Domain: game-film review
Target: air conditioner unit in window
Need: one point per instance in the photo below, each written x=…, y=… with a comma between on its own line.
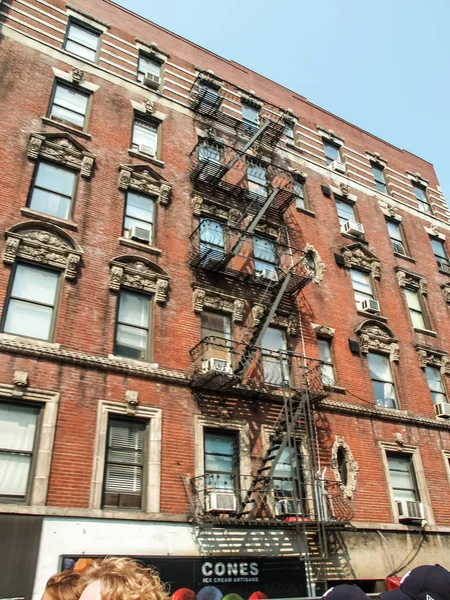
x=267, y=275
x=216, y=365
x=149, y=150
x=337, y=166
x=353, y=228
x=409, y=510
x=220, y=502
x=152, y=81
x=370, y=305
x=288, y=507
x=139, y=233
x=442, y=409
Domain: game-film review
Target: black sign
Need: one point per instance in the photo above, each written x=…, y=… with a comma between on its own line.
x=223, y=578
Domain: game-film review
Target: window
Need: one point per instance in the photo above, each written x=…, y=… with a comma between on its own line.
x=421, y=194
x=139, y=215
x=147, y=66
x=440, y=252
x=30, y=307
x=345, y=211
x=332, y=152
x=209, y=152
x=436, y=385
x=299, y=193
x=216, y=327
x=256, y=176
x=362, y=287
x=326, y=356
x=283, y=480
x=266, y=257
x=382, y=380
x=221, y=456
x=403, y=480
x=380, y=182
x=145, y=137
x=289, y=132
x=208, y=95
x=53, y=190
x=274, y=356
x=82, y=41
x=18, y=426
x=132, y=331
x=415, y=308
x=69, y=105
x=250, y=117
x=395, y=233
x=124, y=464
x=212, y=240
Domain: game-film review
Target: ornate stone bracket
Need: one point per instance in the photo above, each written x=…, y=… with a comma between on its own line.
x=45, y=244
x=140, y=274
x=131, y=400
x=323, y=331
x=77, y=75
x=340, y=447
x=314, y=265
x=288, y=322
x=430, y=357
x=376, y=336
x=61, y=148
x=145, y=180
x=202, y=299
x=407, y=279
x=357, y=255
x=445, y=287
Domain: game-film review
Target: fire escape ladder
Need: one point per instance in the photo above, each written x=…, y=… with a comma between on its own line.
x=270, y=309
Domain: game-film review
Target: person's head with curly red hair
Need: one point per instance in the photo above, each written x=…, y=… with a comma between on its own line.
x=63, y=586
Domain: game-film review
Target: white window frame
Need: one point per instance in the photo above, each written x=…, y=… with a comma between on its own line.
x=392, y=447
x=152, y=457
x=45, y=435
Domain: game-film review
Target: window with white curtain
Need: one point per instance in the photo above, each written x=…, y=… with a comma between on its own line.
x=362, y=286
x=30, y=306
x=123, y=480
x=265, y=252
x=436, y=385
x=326, y=356
x=145, y=137
x=133, y=323
x=415, y=309
x=82, y=40
x=18, y=426
x=274, y=356
x=382, y=380
x=69, y=105
x=257, y=179
x=403, y=479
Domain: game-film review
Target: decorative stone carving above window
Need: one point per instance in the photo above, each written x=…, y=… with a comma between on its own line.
x=375, y=157
x=288, y=322
x=357, y=255
x=45, y=244
x=431, y=357
x=318, y=270
x=251, y=100
x=417, y=178
x=390, y=211
x=323, y=331
x=433, y=231
x=144, y=179
x=445, y=287
x=211, y=80
x=61, y=148
x=202, y=299
x=379, y=338
x=139, y=274
x=414, y=281
x=344, y=466
x=329, y=134
x=152, y=49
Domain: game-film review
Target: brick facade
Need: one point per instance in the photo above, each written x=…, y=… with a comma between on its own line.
x=78, y=363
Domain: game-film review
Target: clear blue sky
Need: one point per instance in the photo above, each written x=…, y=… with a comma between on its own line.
x=382, y=65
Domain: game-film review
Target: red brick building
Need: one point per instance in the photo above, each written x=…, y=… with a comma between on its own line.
x=224, y=329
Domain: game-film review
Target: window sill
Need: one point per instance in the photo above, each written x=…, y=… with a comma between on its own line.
x=425, y=331
x=139, y=246
x=133, y=361
x=292, y=145
x=335, y=388
x=355, y=238
x=67, y=128
x=444, y=272
x=11, y=337
x=147, y=157
x=35, y=214
x=364, y=313
x=404, y=257
x=306, y=211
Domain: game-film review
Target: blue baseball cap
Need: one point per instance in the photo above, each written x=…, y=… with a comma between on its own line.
x=345, y=592
x=428, y=582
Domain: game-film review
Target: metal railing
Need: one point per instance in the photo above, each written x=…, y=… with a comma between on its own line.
x=214, y=359
x=247, y=180
x=215, y=98
x=220, y=497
